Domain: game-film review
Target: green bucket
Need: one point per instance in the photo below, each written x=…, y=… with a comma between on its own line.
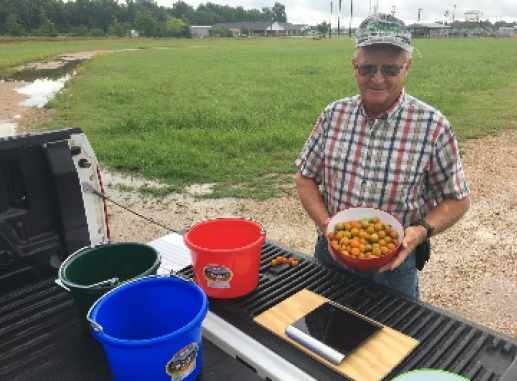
x=92, y=271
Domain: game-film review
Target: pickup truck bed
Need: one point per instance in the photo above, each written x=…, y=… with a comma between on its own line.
x=447, y=341
x=41, y=339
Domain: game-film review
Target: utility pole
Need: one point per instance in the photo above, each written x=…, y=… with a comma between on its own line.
x=393, y=10
x=339, y=19
x=330, y=24
x=351, y=16
x=453, y=12
x=419, y=9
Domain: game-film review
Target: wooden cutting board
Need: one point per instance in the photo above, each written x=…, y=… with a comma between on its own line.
x=372, y=361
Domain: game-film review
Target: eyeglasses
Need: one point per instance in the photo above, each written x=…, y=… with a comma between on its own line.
x=386, y=70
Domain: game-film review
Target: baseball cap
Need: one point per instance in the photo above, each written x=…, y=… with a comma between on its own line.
x=383, y=28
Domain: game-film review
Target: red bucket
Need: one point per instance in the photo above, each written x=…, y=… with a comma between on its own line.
x=226, y=255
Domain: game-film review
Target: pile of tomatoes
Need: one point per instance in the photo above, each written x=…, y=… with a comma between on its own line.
x=364, y=239
x=280, y=260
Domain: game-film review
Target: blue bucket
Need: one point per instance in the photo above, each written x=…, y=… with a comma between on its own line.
x=151, y=329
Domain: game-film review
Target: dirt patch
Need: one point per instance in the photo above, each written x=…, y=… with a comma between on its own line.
x=33, y=116
x=63, y=59
x=473, y=270
x=10, y=100
x=15, y=117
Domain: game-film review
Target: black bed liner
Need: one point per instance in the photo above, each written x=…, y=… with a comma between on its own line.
x=447, y=342
x=42, y=214
x=41, y=337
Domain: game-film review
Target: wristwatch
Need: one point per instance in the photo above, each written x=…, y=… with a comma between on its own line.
x=427, y=227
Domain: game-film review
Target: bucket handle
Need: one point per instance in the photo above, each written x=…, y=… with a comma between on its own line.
x=262, y=228
x=111, y=282
x=96, y=326
x=176, y=275
x=87, y=247
x=93, y=246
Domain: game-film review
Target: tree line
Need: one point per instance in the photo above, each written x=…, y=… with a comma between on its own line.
x=109, y=17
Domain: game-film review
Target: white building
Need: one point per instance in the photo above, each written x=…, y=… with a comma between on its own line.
x=473, y=15
x=428, y=30
x=200, y=30
x=263, y=28
x=507, y=31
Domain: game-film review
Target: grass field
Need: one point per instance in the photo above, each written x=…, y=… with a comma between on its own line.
x=237, y=112
x=16, y=51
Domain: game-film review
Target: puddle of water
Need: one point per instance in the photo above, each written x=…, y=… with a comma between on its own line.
x=53, y=71
x=42, y=90
x=44, y=80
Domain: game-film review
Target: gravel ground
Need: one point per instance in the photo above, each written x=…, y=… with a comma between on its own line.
x=473, y=270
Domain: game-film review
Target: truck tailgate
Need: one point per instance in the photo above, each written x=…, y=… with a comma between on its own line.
x=447, y=341
x=41, y=339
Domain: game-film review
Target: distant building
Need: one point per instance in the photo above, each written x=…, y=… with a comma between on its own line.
x=507, y=31
x=200, y=30
x=294, y=29
x=343, y=30
x=311, y=32
x=263, y=28
x=472, y=15
x=428, y=30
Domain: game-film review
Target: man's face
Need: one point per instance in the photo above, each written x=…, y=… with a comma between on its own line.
x=380, y=91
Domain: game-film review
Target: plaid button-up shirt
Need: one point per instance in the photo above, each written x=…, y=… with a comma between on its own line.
x=404, y=162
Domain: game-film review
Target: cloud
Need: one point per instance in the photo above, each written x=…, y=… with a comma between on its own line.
x=316, y=11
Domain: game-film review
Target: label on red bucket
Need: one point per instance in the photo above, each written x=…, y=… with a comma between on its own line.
x=183, y=363
x=217, y=276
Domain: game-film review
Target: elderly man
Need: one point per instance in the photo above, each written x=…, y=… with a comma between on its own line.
x=386, y=149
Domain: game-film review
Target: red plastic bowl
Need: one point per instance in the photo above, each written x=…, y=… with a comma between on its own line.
x=358, y=213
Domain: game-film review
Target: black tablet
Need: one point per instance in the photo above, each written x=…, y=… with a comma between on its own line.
x=332, y=332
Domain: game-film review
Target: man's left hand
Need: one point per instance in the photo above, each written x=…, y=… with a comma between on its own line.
x=412, y=238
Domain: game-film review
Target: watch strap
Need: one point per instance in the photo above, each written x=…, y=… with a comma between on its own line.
x=424, y=224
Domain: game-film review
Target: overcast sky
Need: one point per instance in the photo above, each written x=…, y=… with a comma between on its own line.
x=316, y=11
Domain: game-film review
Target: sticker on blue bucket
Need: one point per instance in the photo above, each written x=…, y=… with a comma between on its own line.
x=183, y=363
x=151, y=329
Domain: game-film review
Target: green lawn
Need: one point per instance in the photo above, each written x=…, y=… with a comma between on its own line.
x=16, y=51
x=237, y=112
